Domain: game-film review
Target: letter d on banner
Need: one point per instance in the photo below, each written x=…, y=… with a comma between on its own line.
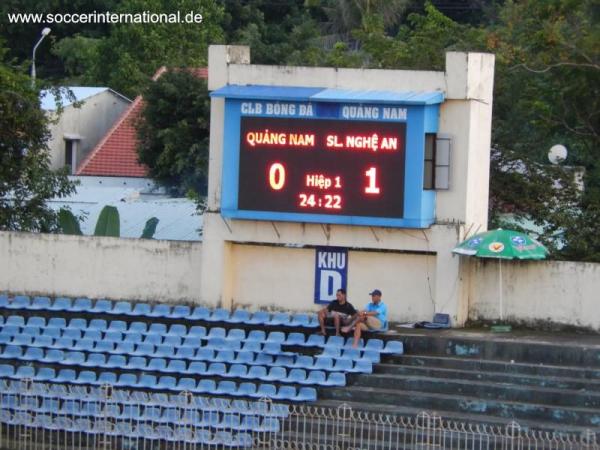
x=331, y=269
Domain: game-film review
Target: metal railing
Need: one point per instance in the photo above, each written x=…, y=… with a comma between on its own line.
x=68, y=417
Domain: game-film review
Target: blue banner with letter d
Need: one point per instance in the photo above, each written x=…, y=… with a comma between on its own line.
x=331, y=272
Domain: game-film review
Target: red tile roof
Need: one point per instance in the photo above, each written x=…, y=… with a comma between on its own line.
x=115, y=155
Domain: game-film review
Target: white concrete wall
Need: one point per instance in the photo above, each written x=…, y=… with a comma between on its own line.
x=401, y=277
x=547, y=291
x=91, y=121
x=100, y=267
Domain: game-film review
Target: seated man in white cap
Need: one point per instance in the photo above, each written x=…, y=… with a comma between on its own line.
x=372, y=318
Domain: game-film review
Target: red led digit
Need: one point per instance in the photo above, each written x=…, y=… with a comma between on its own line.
x=372, y=176
x=277, y=176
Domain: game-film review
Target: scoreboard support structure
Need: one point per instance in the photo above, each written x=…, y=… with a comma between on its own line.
x=305, y=158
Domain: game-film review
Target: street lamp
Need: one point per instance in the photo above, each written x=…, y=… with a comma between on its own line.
x=45, y=32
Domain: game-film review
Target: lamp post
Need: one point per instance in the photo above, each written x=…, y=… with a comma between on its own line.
x=45, y=32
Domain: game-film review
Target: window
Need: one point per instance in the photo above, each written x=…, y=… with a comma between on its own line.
x=70, y=154
x=437, y=162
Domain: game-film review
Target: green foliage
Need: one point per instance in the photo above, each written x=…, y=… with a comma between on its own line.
x=131, y=53
x=174, y=132
x=68, y=222
x=150, y=228
x=108, y=223
x=26, y=180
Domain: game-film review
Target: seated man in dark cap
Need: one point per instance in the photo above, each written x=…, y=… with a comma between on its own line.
x=372, y=318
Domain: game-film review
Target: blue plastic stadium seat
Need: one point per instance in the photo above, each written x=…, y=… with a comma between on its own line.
x=216, y=332
x=297, y=376
x=199, y=313
x=24, y=372
x=276, y=373
x=12, y=352
x=362, y=366
x=164, y=351
x=239, y=316
x=316, y=377
x=276, y=337
x=53, y=356
x=225, y=387
x=272, y=348
x=237, y=371
x=73, y=358
x=196, y=331
x=32, y=354
x=280, y=318
x=284, y=360
x=56, y=322
x=269, y=424
x=117, y=325
x=243, y=357
x=45, y=374
x=185, y=352
x=255, y=373
x=352, y=354
x=158, y=329
x=224, y=356
x=19, y=302
x=350, y=343
x=300, y=320
x=39, y=303
x=95, y=360
x=374, y=344
x=6, y=370
x=166, y=382
x=324, y=363
x=72, y=333
x=236, y=334
x=343, y=365
x=330, y=352
x=175, y=366
x=62, y=343
x=31, y=331
x=147, y=381
x=196, y=368
x=304, y=362
x=86, y=377
x=263, y=359
x=154, y=339
x=393, y=347
x=143, y=349
x=65, y=376
x=97, y=325
x=185, y=384
x=177, y=329
x=160, y=310
x=286, y=393
x=206, y=386
x=39, y=341
x=3, y=300
x=256, y=336
x=85, y=344
x=180, y=312
x=173, y=341
x=315, y=340
x=12, y=330
x=22, y=339
x=101, y=306
x=18, y=321
x=114, y=336
x=335, y=379
x=204, y=354
x=81, y=304
x=219, y=315
x=259, y=318
x=61, y=304
x=137, y=327
x=335, y=341
x=140, y=309
x=124, y=348
x=307, y=394
x=371, y=355
x=121, y=307
x=266, y=390
x=77, y=323
x=295, y=339
x=115, y=361
x=157, y=364
x=127, y=380
x=216, y=368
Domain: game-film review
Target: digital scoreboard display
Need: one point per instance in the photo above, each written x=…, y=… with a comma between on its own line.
x=322, y=166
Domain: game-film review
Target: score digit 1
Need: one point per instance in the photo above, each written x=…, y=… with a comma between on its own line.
x=372, y=176
x=277, y=176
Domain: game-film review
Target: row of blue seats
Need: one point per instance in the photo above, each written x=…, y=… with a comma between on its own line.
x=177, y=334
x=160, y=310
x=186, y=360
x=215, y=369
x=127, y=430
x=125, y=397
x=149, y=413
x=170, y=383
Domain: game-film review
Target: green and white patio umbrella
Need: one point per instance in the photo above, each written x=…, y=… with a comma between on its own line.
x=501, y=244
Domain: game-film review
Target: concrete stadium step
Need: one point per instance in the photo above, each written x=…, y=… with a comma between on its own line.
x=557, y=415
x=482, y=390
x=487, y=365
x=577, y=384
x=452, y=417
x=520, y=346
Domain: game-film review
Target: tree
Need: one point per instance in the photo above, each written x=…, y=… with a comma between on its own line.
x=174, y=132
x=26, y=180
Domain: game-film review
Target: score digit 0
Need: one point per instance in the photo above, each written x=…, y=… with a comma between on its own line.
x=277, y=176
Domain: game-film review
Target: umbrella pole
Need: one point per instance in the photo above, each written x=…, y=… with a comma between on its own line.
x=500, y=286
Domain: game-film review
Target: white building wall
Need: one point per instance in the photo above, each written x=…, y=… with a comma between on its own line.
x=100, y=267
x=537, y=291
x=91, y=121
